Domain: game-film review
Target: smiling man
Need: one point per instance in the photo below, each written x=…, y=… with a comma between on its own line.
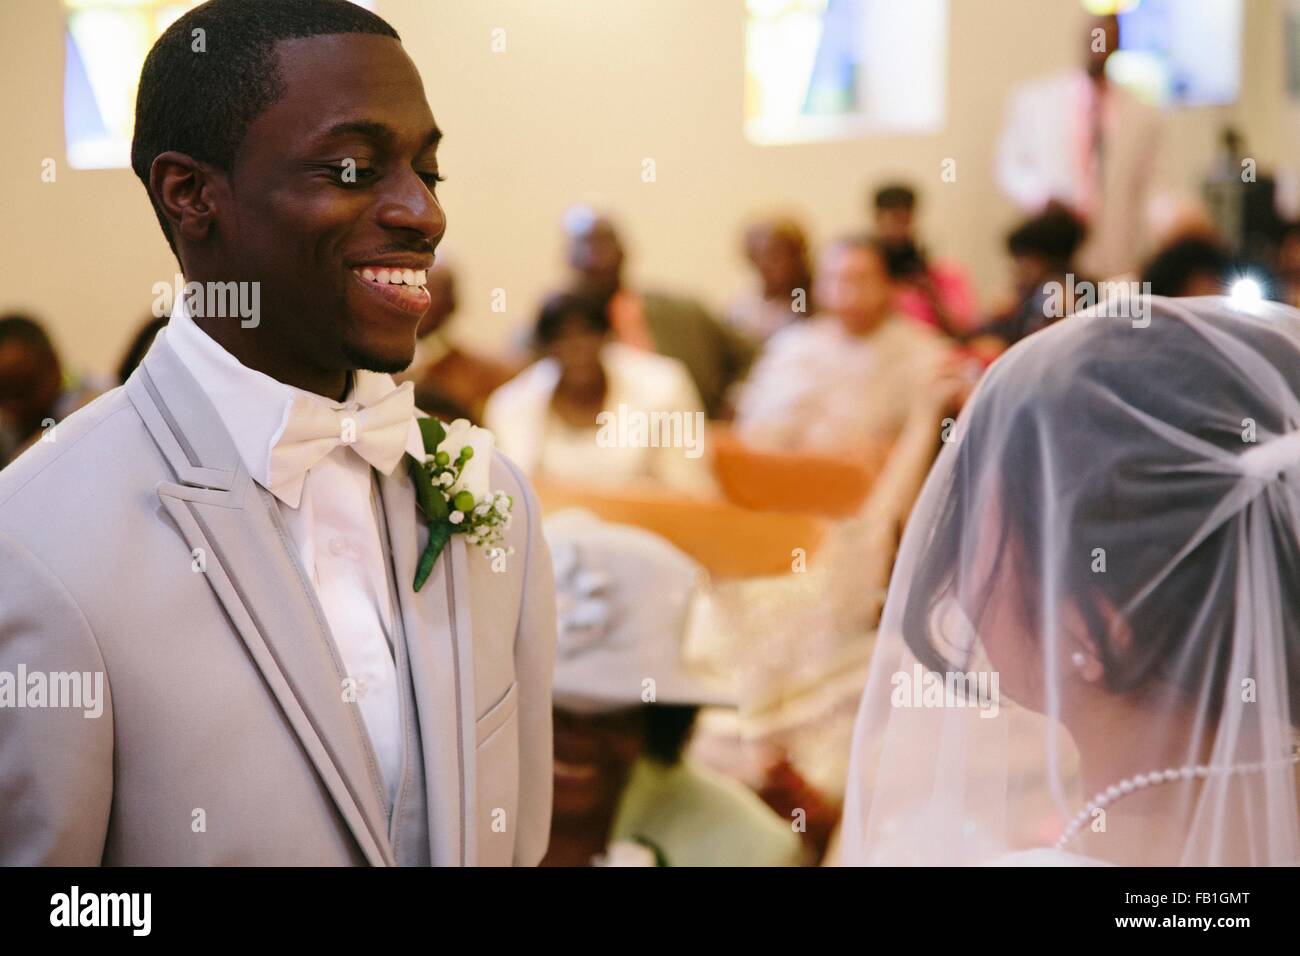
x=232, y=538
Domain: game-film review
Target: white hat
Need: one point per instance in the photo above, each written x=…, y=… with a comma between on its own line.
x=627, y=601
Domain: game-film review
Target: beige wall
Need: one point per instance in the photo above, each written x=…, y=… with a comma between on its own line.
x=585, y=91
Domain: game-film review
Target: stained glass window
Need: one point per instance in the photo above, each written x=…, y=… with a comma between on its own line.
x=832, y=69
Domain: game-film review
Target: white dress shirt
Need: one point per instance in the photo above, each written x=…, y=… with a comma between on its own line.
x=330, y=515
x=818, y=388
x=521, y=420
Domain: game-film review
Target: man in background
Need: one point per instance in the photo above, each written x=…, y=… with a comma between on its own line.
x=35, y=392
x=934, y=292
x=845, y=381
x=1078, y=139
x=678, y=327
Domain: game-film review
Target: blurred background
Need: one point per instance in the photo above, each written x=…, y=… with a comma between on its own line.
x=581, y=93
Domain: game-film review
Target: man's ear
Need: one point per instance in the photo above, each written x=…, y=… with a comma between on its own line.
x=188, y=192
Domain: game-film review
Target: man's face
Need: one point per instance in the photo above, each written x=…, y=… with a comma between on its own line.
x=853, y=286
x=1028, y=272
x=596, y=255
x=304, y=227
x=894, y=224
x=30, y=383
x=779, y=261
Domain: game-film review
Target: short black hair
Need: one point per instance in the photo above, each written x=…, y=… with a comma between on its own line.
x=1055, y=234
x=17, y=327
x=1176, y=265
x=895, y=196
x=202, y=103
x=565, y=307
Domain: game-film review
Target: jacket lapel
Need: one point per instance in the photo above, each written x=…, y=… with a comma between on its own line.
x=439, y=645
x=253, y=568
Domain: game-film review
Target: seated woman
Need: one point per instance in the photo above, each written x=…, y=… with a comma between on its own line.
x=627, y=692
x=595, y=412
x=1090, y=650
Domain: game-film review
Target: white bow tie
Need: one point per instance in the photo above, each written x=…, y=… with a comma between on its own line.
x=378, y=432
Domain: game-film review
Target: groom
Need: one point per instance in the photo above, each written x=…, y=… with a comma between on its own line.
x=228, y=544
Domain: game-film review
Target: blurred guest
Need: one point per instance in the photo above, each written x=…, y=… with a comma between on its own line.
x=450, y=383
x=626, y=699
x=777, y=248
x=845, y=381
x=563, y=418
x=677, y=327
x=934, y=292
x=1042, y=258
x=1288, y=265
x=1078, y=138
x=140, y=342
x=1193, y=265
x=35, y=390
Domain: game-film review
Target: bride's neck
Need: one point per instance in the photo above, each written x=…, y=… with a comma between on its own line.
x=1120, y=739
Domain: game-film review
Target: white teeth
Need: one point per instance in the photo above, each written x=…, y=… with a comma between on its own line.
x=416, y=278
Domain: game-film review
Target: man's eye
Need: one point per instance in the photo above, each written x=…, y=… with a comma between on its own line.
x=350, y=174
x=432, y=179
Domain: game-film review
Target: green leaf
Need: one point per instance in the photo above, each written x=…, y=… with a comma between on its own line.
x=432, y=432
x=431, y=501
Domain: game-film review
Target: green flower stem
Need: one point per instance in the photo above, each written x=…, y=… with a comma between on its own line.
x=439, y=534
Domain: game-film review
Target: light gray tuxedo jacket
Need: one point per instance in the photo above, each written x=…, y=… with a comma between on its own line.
x=135, y=544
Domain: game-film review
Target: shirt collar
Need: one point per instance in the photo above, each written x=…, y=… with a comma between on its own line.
x=254, y=407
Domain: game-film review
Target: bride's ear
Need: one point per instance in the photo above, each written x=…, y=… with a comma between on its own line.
x=1085, y=662
x=1084, y=659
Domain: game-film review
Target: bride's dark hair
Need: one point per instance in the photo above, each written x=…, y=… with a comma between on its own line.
x=1054, y=447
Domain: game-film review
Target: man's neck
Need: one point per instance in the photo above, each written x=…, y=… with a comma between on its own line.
x=260, y=355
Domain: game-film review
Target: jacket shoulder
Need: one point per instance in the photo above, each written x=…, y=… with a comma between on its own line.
x=80, y=450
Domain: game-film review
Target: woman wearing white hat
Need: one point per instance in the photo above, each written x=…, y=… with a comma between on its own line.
x=625, y=703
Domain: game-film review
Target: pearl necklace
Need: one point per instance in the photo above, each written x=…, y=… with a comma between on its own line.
x=1144, y=780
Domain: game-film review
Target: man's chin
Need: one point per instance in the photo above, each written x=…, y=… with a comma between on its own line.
x=372, y=359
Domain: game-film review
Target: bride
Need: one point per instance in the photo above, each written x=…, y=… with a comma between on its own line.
x=1110, y=544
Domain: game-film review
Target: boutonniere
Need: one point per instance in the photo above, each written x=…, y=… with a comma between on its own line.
x=451, y=489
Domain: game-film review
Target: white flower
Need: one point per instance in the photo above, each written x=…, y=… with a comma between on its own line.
x=475, y=476
x=481, y=509
x=446, y=479
x=456, y=517
x=501, y=505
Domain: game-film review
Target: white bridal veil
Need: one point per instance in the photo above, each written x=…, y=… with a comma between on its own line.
x=1090, y=649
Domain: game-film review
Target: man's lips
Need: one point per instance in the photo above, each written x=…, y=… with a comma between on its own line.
x=401, y=289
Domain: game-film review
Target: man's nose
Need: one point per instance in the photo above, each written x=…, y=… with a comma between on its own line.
x=410, y=205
